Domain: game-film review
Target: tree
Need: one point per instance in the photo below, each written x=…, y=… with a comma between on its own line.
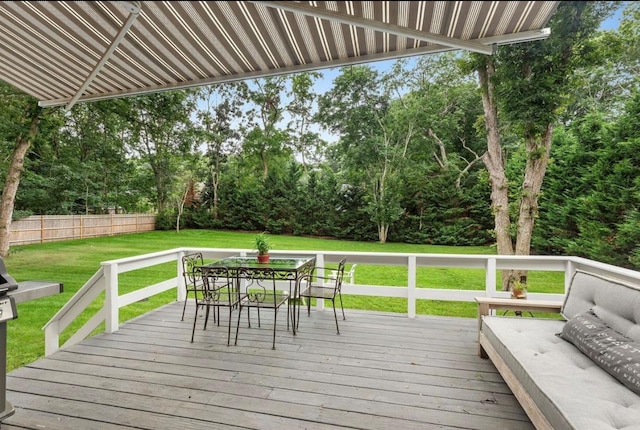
x=445, y=155
x=265, y=139
x=375, y=133
x=630, y=32
x=523, y=88
x=305, y=142
x=160, y=130
x=91, y=145
x=21, y=125
x=220, y=129
x=592, y=198
x=184, y=191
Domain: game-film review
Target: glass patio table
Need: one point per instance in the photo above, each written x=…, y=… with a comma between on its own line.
x=289, y=269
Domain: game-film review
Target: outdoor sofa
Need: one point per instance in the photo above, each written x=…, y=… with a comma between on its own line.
x=582, y=372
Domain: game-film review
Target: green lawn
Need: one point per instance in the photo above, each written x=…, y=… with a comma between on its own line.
x=74, y=262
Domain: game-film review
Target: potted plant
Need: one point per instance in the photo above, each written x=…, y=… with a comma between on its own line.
x=263, y=246
x=518, y=290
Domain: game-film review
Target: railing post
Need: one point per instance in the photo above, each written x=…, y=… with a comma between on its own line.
x=569, y=268
x=111, y=321
x=320, y=263
x=411, y=287
x=51, y=338
x=490, y=277
x=182, y=291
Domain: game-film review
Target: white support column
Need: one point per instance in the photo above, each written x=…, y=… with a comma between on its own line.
x=111, y=307
x=490, y=277
x=411, y=287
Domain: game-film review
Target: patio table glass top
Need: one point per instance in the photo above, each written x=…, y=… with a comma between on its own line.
x=281, y=265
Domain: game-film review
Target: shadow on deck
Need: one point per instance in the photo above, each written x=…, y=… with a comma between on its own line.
x=384, y=371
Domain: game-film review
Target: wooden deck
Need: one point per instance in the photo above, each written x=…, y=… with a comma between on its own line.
x=384, y=371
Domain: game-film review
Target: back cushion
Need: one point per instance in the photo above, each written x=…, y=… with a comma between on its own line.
x=615, y=353
x=615, y=302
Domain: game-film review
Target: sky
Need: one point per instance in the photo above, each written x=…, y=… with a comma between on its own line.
x=613, y=22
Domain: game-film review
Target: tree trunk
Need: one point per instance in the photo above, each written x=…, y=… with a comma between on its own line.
x=383, y=231
x=181, y=207
x=214, y=186
x=537, y=160
x=13, y=179
x=265, y=165
x=495, y=166
x=537, y=150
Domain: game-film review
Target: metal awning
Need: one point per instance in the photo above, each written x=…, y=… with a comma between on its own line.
x=62, y=52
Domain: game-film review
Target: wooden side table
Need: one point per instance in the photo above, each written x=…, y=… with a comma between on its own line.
x=487, y=304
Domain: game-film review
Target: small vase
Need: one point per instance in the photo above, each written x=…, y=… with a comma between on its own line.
x=263, y=258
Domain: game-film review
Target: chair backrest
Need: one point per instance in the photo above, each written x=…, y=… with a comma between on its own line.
x=333, y=275
x=260, y=286
x=190, y=263
x=219, y=285
x=339, y=274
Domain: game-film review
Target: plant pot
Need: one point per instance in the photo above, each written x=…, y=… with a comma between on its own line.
x=518, y=294
x=263, y=258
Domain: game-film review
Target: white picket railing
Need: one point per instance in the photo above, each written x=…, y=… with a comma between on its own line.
x=106, y=279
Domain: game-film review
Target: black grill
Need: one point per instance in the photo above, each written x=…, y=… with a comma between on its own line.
x=7, y=283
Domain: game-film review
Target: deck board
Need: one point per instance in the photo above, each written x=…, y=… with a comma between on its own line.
x=383, y=371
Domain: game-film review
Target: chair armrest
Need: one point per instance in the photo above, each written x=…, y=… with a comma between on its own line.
x=325, y=268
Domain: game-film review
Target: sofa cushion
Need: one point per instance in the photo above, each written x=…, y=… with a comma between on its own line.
x=569, y=389
x=615, y=302
x=615, y=353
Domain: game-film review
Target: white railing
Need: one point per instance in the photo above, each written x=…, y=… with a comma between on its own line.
x=106, y=280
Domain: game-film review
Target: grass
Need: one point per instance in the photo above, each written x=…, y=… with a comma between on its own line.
x=74, y=262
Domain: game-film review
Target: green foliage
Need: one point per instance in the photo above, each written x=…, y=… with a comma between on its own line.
x=166, y=220
x=593, y=192
x=17, y=215
x=536, y=81
x=262, y=243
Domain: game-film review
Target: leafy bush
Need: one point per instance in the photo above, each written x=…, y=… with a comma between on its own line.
x=166, y=220
x=17, y=215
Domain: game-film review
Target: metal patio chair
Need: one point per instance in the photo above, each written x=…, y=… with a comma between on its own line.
x=192, y=276
x=220, y=290
x=325, y=287
x=261, y=292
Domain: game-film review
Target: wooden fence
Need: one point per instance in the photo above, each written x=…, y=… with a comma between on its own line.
x=51, y=228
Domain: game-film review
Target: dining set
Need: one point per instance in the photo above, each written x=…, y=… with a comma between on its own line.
x=241, y=282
